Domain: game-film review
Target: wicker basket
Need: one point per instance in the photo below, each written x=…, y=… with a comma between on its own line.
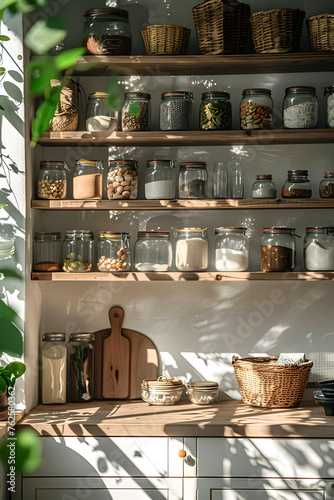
x=277, y=30
x=221, y=26
x=321, y=32
x=165, y=39
x=66, y=116
x=264, y=383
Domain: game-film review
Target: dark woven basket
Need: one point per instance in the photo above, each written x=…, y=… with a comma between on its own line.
x=277, y=30
x=165, y=39
x=321, y=32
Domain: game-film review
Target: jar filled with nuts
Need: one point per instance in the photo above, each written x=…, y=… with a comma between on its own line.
x=52, y=180
x=136, y=111
x=113, y=252
x=78, y=251
x=122, y=180
x=256, y=109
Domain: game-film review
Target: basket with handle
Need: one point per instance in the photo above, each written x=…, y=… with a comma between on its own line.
x=321, y=32
x=165, y=39
x=262, y=382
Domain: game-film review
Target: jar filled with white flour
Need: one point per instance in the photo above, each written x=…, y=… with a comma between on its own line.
x=319, y=249
x=232, y=249
x=191, y=249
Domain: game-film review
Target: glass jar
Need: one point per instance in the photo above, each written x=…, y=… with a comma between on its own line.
x=122, y=180
x=100, y=117
x=191, y=249
x=202, y=392
x=318, y=249
x=113, y=252
x=81, y=367
x=87, y=180
x=278, y=249
x=236, y=180
x=300, y=107
x=162, y=392
x=231, y=249
x=54, y=356
x=256, y=109
x=193, y=180
x=219, y=180
x=329, y=92
x=215, y=111
x=153, y=252
x=47, y=252
x=136, y=111
x=263, y=187
x=160, y=180
x=326, y=186
x=78, y=251
x=175, y=110
x=107, y=31
x=52, y=180
x=297, y=185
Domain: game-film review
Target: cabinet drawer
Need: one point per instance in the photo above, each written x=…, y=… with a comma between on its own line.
x=266, y=495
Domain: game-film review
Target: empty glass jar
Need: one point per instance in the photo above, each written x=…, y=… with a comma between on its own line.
x=136, y=111
x=297, y=185
x=231, y=249
x=300, y=107
x=78, y=251
x=47, y=252
x=52, y=180
x=113, y=252
x=215, y=111
x=326, y=186
x=220, y=181
x=160, y=180
x=175, y=110
x=100, y=117
x=256, y=109
x=278, y=249
x=87, y=180
x=263, y=187
x=153, y=251
x=318, y=249
x=81, y=364
x=193, y=180
x=122, y=180
x=191, y=249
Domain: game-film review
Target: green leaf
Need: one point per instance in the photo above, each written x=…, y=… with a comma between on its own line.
x=68, y=58
x=8, y=376
x=2, y=71
x=3, y=386
x=45, y=34
x=6, y=3
x=28, y=5
x=4, y=38
x=45, y=113
x=16, y=368
x=41, y=73
x=10, y=335
x=114, y=98
x=134, y=108
x=28, y=451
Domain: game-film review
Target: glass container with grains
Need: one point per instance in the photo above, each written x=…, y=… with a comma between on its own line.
x=326, y=186
x=193, y=180
x=136, y=112
x=191, y=249
x=278, y=249
x=175, y=110
x=297, y=185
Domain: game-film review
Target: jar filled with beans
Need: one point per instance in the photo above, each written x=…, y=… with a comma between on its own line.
x=256, y=109
x=113, y=252
x=52, y=180
x=136, y=112
x=122, y=180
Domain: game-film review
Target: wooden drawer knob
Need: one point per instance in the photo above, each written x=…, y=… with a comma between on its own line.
x=182, y=454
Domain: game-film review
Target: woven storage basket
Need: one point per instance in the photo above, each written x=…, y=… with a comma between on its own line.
x=277, y=30
x=67, y=113
x=264, y=383
x=165, y=39
x=321, y=32
x=221, y=26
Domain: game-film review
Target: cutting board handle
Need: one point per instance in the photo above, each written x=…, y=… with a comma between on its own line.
x=116, y=318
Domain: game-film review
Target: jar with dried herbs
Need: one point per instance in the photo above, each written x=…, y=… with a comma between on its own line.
x=81, y=363
x=136, y=112
x=215, y=112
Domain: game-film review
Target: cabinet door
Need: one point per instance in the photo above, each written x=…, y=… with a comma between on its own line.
x=264, y=495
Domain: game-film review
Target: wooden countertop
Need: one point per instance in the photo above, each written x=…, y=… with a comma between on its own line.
x=136, y=418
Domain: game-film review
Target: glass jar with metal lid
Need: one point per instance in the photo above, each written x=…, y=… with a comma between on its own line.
x=153, y=251
x=175, y=110
x=326, y=186
x=100, y=117
x=162, y=391
x=300, y=107
x=122, y=180
x=256, y=109
x=160, y=180
x=215, y=112
x=297, y=185
x=54, y=365
x=113, y=252
x=87, y=180
x=263, y=187
x=81, y=367
x=193, y=180
x=107, y=31
x=78, y=251
x=231, y=249
x=278, y=249
x=52, y=180
x=191, y=249
x=329, y=92
x=318, y=249
x=47, y=252
x=136, y=111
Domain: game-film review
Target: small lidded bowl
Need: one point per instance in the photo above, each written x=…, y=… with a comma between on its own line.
x=162, y=391
x=202, y=392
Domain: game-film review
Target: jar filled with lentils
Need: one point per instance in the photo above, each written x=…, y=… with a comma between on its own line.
x=52, y=180
x=113, y=252
x=175, y=110
x=215, y=112
x=256, y=109
x=122, y=180
x=136, y=112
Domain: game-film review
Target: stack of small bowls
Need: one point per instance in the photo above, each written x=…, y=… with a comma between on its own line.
x=325, y=397
x=202, y=392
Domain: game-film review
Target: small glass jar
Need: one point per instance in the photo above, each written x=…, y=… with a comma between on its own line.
x=192, y=180
x=263, y=187
x=202, y=392
x=161, y=392
x=300, y=107
x=78, y=251
x=231, y=249
x=52, y=180
x=278, y=249
x=326, y=186
x=87, y=180
x=175, y=110
x=160, y=180
x=215, y=111
x=329, y=92
x=297, y=185
x=191, y=249
x=100, y=117
x=153, y=252
x=318, y=249
x=136, y=112
x=54, y=366
x=47, y=252
x=256, y=109
x=107, y=31
x=113, y=252
x=122, y=180
x=81, y=367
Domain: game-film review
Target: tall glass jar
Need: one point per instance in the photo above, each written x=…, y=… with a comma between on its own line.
x=87, y=180
x=175, y=110
x=191, y=249
x=256, y=109
x=160, y=180
x=231, y=249
x=215, y=112
x=300, y=107
x=81, y=364
x=47, y=252
x=52, y=180
x=54, y=366
x=100, y=117
x=78, y=251
x=318, y=249
x=107, y=31
x=153, y=251
x=329, y=92
x=326, y=186
x=297, y=185
x=263, y=187
x=122, y=180
x=236, y=180
x=113, y=252
x=278, y=249
x=220, y=180
x=193, y=180
x=136, y=111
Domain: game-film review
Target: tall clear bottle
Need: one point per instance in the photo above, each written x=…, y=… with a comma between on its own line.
x=219, y=180
x=236, y=179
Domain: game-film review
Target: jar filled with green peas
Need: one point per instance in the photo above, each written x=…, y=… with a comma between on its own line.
x=215, y=112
